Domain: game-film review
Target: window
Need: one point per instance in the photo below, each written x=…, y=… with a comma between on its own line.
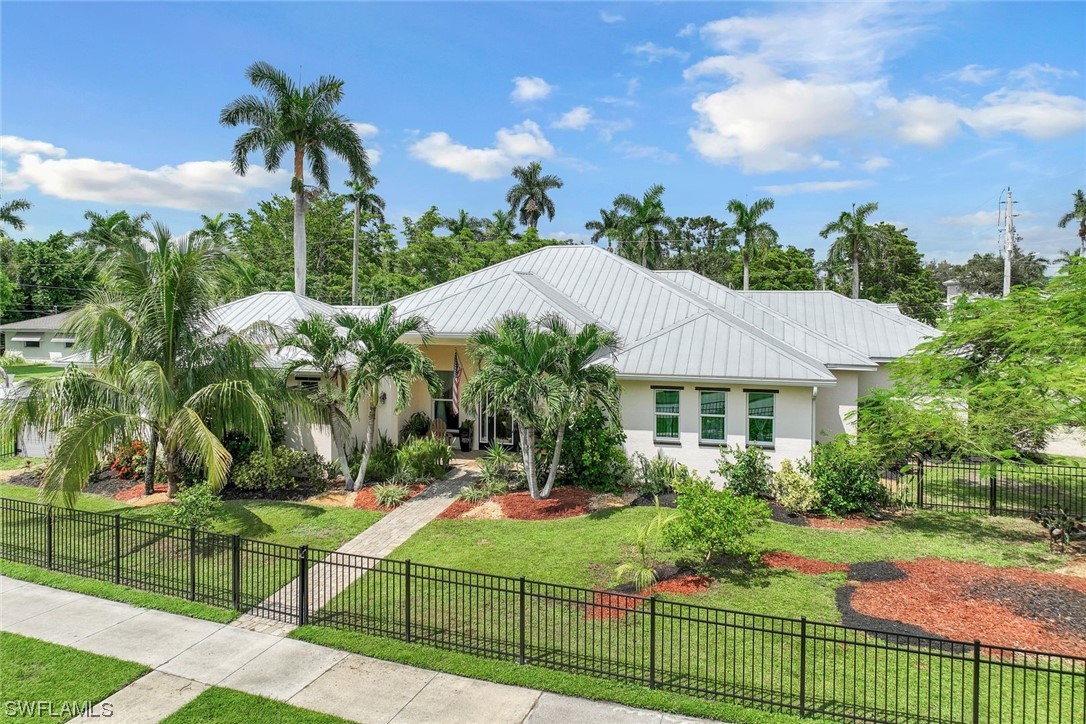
x=443, y=408
x=309, y=383
x=31, y=344
x=667, y=415
x=760, y=406
x=713, y=422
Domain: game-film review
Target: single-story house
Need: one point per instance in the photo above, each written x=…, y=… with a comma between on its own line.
x=700, y=365
x=41, y=339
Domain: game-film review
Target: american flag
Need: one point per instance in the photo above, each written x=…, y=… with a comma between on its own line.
x=456, y=384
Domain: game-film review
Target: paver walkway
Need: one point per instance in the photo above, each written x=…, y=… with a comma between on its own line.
x=189, y=655
x=326, y=581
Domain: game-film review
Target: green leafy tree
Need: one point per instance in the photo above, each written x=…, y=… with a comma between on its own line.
x=1077, y=213
x=713, y=522
x=983, y=273
x=463, y=225
x=9, y=213
x=701, y=244
x=643, y=226
x=753, y=236
x=303, y=120
x=779, y=268
x=161, y=368
x=46, y=277
x=383, y=357
x=529, y=198
x=856, y=240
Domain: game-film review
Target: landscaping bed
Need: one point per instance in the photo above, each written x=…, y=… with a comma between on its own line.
x=564, y=502
x=364, y=499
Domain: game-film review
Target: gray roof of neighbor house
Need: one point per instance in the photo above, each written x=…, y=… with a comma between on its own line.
x=667, y=331
x=48, y=323
x=830, y=352
x=878, y=332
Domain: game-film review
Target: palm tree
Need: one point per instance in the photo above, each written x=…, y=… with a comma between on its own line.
x=463, y=223
x=323, y=346
x=643, y=226
x=381, y=356
x=856, y=240
x=585, y=380
x=1078, y=211
x=528, y=197
x=605, y=228
x=501, y=226
x=302, y=119
x=216, y=226
x=161, y=368
x=365, y=200
x=511, y=357
x=749, y=232
x=9, y=213
x=106, y=229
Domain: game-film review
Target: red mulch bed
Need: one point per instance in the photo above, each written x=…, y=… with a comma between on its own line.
x=607, y=606
x=365, y=500
x=136, y=491
x=781, y=559
x=457, y=509
x=562, y=503
x=956, y=600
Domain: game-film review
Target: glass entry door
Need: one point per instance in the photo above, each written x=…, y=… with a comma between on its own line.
x=497, y=427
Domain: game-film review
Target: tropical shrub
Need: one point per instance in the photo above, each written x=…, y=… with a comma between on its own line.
x=650, y=548
x=658, y=475
x=418, y=425
x=424, y=458
x=746, y=471
x=129, y=460
x=896, y=429
x=713, y=522
x=239, y=445
x=846, y=476
x=284, y=473
x=499, y=465
x=195, y=506
x=382, y=464
x=793, y=489
x=474, y=493
x=390, y=495
x=592, y=452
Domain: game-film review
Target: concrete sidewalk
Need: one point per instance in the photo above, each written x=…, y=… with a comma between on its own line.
x=189, y=655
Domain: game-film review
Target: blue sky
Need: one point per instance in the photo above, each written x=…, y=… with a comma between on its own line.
x=929, y=109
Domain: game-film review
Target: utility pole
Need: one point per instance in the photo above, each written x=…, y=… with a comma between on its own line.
x=1009, y=243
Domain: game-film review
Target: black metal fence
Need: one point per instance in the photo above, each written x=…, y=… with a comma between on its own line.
x=997, y=488
x=788, y=665
x=9, y=444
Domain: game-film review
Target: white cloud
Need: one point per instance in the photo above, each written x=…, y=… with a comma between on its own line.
x=972, y=73
x=654, y=53
x=527, y=89
x=876, y=163
x=686, y=31
x=649, y=153
x=575, y=119
x=979, y=218
x=610, y=17
x=366, y=131
x=1037, y=114
x=194, y=185
x=815, y=187
x=922, y=120
x=512, y=146
x=1038, y=74
x=577, y=237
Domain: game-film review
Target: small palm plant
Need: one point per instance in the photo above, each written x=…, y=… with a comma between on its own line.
x=650, y=546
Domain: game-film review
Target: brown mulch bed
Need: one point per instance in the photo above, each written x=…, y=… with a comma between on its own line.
x=852, y=522
x=564, y=502
x=365, y=500
x=609, y=605
x=782, y=559
x=134, y=492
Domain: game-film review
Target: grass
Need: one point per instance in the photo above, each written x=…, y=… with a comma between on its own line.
x=18, y=463
x=236, y=707
x=36, y=671
x=35, y=370
x=587, y=687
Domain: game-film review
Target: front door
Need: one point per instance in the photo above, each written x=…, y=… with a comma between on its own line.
x=497, y=427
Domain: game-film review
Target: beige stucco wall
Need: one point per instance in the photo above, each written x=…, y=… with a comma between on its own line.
x=47, y=352
x=421, y=401
x=793, y=424
x=834, y=405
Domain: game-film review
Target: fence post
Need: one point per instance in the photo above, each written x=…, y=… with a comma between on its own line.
x=303, y=585
x=49, y=537
x=652, y=641
x=523, y=615
x=235, y=570
x=976, y=681
x=992, y=492
x=803, y=666
x=920, y=483
x=192, y=563
x=407, y=600
x=117, y=548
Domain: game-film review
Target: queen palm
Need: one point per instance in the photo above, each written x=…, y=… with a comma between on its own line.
x=383, y=357
x=365, y=201
x=9, y=213
x=303, y=120
x=1077, y=212
x=643, y=226
x=856, y=240
x=162, y=368
x=749, y=232
x=605, y=227
x=528, y=197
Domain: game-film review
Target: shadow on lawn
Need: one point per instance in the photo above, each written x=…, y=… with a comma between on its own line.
x=742, y=571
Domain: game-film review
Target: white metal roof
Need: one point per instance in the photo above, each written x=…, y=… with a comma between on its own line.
x=276, y=308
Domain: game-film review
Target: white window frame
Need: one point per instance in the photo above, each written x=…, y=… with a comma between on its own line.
x=435, y=400
x=772, y=419
x=702, y=415
x=657, y=415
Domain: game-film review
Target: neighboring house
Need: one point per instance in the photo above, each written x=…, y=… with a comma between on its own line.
x=40, y=339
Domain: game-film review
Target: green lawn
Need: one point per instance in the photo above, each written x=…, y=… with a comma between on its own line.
x=35, y=370
x=36, y=671
x=18, y=463
x=236, y=707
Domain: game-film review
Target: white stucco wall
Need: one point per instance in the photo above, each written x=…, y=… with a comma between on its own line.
x=48, y=350
x=794, y=416
x=879, y=379
x=834, y=405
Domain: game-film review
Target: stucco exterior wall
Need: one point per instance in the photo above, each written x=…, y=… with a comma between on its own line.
x=421, y=401
x=794, y=416
x=48, y=350
x=834, y=405
x=879, y=379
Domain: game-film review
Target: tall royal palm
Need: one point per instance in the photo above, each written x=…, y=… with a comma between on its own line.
x=605, y=227
x=749, y=232
x=365, y=201
x=161, y=367
x=1077, y=213
x=383, y=356
x=9, y=213
x=856, y=240
x=303, y=120
x=643, y=226
x=528, y=198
